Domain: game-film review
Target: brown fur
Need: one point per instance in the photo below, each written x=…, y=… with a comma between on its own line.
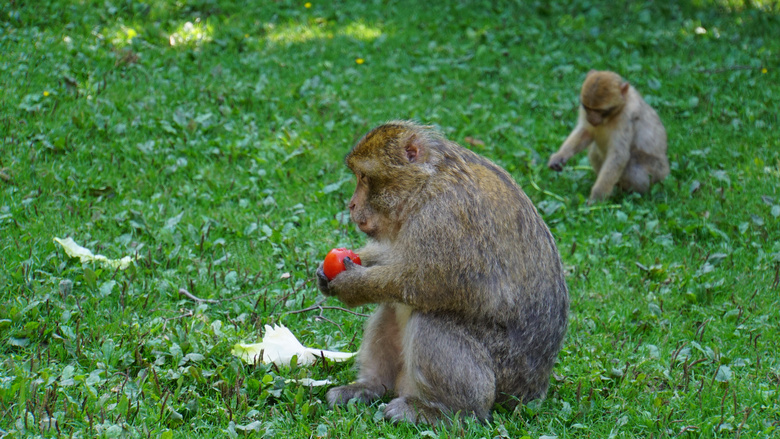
x=626, y=137
x=472, y=298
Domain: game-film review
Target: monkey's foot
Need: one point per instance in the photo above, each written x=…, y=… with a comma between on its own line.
x=411, y=410
x=358, y=391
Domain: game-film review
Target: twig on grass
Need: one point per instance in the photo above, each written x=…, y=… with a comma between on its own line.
x=184, y=315
x=338, y=308
x=187, y=294
x=311, y=308
x=320, y=317
x=592, y=208
x=190, y=296
x=687, y=428
x=545, y=192
x=318, y=306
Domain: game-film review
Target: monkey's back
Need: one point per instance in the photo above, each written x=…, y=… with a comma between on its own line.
x=500, y=262
x=649, y=146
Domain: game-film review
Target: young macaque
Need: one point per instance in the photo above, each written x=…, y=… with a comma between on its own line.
x=626, y=137
x=472, y=298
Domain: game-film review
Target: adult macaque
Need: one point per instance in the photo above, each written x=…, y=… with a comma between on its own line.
x=472, y=298
x=626, y=137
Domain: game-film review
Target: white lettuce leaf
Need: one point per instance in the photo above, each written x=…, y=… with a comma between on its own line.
x=85, y=255
x=279, y=345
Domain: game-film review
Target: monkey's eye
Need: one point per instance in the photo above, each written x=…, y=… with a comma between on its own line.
x=601, y=112
x=607, y=112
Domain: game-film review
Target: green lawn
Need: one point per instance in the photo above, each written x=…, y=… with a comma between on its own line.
x=205, y=139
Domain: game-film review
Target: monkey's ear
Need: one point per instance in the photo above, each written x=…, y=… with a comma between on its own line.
x=412, y=149
x=624, y=87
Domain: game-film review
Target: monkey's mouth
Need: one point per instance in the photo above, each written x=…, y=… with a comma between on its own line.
x=595, y=123
x=365, y=226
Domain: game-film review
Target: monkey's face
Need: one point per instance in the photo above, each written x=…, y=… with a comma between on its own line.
x=360, y=210
x=602, y=96
x=596, y=116
x=367, y=210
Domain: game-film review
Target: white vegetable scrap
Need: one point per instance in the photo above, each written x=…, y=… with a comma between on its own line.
x=85, y=255
x=279, y=345
x=308, y=382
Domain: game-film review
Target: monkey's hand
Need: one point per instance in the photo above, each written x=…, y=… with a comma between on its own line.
x=339, y=284
x=346, y=285
x=322, y=282
x=597, y=196
x=556, y=162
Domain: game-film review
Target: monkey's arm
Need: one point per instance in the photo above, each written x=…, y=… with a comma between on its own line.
x=372, y=253
x=358, y=285
x=578, y=140
x=618, y=155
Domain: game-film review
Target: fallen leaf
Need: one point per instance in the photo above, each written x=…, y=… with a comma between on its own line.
x=85, y=255
x=279, y=345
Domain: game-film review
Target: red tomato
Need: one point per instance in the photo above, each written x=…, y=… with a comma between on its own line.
x=334, y=261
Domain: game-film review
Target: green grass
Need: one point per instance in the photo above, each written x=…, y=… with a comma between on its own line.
x=216, y=162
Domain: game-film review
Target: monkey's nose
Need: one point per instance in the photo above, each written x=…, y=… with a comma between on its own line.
x=351, y=206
